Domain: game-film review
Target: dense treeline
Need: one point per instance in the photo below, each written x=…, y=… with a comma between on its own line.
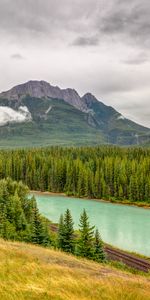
x=19, y=216
x=98, y=172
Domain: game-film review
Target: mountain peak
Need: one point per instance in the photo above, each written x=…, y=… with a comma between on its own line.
x=43, y=89
x=88, y=97
x=40, y=106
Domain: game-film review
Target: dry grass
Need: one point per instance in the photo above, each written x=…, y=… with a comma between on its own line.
x=30, y=272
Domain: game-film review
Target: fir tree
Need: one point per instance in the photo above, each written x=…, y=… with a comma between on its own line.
x=101, y=172
x=39, y=231
x=85, y=243
x=19, y=215
x=99, y=254
x=68, y=232
x=60, y=235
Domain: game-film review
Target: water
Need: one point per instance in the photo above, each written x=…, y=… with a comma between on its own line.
x=123, y=226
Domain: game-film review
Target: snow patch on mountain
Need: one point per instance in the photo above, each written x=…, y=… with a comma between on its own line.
x=9, y=115
x=48, y=110
x=121, y=117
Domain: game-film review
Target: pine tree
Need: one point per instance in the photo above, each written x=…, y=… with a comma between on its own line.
x=99, y=254
x=85, y=243
x=39, y=232
x=60, y=235
x=68, y=232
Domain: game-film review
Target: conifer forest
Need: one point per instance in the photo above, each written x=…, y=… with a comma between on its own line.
x=95, y=172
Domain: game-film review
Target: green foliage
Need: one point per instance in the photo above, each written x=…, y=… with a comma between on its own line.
x=66, y=232
x=20, y=220
x=86, y=240
x=85, y=244
x=39, y=232
x=60, y=235
x=19, y=215
x=99, y=254
x=99, y=172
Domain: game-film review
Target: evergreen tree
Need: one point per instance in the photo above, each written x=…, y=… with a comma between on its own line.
x=99, y=254
x=60, y=234
x=65, y=237
x=101, y=172
x=19, y=215
x=39, y=231
x=85, y=243
x=68, y=232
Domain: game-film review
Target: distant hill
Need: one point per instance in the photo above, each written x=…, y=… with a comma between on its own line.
x=32, y=272
x=38, y=114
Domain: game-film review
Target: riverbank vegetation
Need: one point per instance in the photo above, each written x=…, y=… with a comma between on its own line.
x=87, y=243
x=19, y=216
x=20, y=220
x=111, y=173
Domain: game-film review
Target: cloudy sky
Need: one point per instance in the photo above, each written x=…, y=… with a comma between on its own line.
x=93, y=46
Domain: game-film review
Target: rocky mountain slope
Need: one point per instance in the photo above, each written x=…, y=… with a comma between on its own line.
x=42, y=89
x=37, y=113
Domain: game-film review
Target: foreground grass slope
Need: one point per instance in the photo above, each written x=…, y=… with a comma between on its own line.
x=32, y=272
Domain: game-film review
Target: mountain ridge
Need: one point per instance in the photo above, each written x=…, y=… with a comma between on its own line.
x=51, y=111
x=40, y=89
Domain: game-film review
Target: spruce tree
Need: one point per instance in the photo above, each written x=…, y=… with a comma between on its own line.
x=99, y=254
x=40, y=234
x=85, y=243
x=60, y=235
x=68, y=232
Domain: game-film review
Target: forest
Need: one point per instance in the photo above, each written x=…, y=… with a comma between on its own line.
x=19, y=215
x=111, y=173
x=20, y=220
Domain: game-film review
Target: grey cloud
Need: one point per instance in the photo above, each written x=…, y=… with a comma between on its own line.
x=137, y=59
x=114, y=34
x=128, y=21
x=114, y=83
x=45, y=16
x=86, y=41
x=17, y=56
x=137, y=113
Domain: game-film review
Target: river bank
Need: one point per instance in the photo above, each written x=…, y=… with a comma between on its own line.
x=123, y=202
x=124, y=226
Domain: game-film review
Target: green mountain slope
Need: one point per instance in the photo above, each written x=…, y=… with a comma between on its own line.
x=62, y=125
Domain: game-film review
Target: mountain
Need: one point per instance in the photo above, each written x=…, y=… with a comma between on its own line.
x=42, y=89
x=36, y=113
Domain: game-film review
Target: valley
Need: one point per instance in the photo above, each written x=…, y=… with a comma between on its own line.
x=74, y=150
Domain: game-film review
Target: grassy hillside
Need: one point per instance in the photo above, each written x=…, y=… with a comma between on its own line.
x=31, y=272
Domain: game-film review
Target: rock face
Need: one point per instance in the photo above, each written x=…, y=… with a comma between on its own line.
x=42, y=89
x=37, y=109
x=89, y=99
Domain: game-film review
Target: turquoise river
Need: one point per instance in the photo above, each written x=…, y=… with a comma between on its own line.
x=126, y=227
